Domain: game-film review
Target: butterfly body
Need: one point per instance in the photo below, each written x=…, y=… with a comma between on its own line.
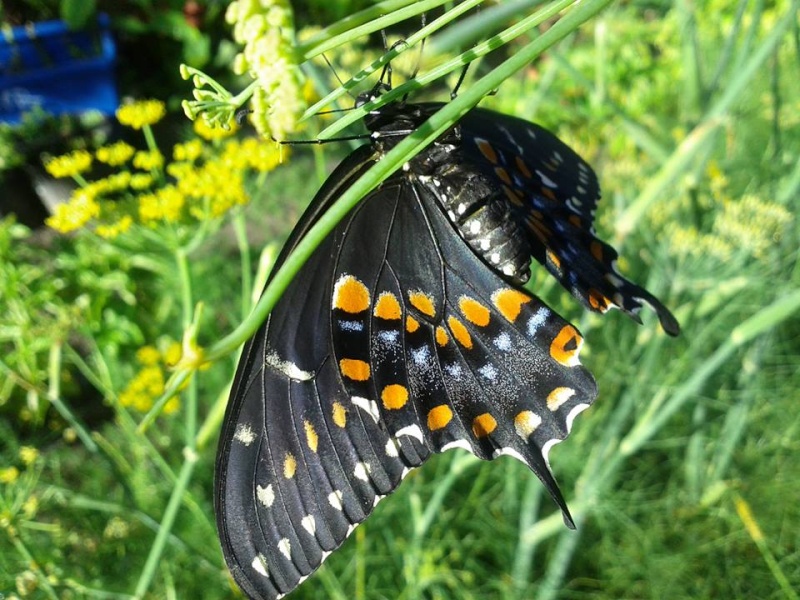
x=406, y=333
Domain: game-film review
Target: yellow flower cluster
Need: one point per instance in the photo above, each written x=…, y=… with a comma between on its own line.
x=70, y=164
x=143, y=113
x=116, y=154
x=74, y=214
x=165, y=204
x=747, y=225
x=148, y=384
x=266, y=30
x=203, y=181
x=148, y=160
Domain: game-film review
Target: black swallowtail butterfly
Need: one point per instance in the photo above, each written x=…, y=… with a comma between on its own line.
x=407, y=333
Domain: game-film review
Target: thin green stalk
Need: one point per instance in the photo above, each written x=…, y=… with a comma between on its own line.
x=54, y=396
x=167, y=522
x=314, y=47
x=478, y=51
x=240, y=230
x=388, y=56
x=33, y=564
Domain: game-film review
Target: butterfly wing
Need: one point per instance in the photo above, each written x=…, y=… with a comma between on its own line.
x=393, y=341
x=553, y=194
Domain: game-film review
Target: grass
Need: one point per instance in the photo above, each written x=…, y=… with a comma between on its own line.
x=682, y=478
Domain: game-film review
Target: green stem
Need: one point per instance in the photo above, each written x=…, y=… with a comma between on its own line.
x=240, y=230
x=171, y=512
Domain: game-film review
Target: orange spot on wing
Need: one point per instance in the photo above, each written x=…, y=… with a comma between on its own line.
x=598, y=301
x=509, y=302
x=441, y=336
x=483, y=425
x=503, y=175
x=354, y=369
x=523, y=168
x=460, y=332
x=387, y=307
x=311, y=435
x=566, y=346
x=350, y=295
x=339, y=414
x=411, y=324
x=422, y=302
x=439, y=417
x=289, y=465
x=474, y=311
x=548, y=193
x=394, y=396
x=487, y=150
x=596, y=248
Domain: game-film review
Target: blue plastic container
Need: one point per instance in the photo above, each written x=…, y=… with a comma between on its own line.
x=62, y=71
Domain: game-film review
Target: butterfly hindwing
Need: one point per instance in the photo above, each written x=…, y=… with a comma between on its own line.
x=553, y=194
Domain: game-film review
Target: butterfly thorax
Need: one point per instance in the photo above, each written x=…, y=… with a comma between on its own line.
x=479, y=211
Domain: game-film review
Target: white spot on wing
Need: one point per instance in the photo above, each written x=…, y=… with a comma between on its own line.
x=259, y=565
x=362, y=471
x=287, y=367
x=244, y=434
x=546, y=180
x=390, y=337
x=351, y=325
x=411, y=431
x=454, y=370
x=285, y=548
x=489, y=371
x=265, y=495
x=391, y=448
x=368, y=406
x=548, y=445
x=335, y=499
x=463, y=444
x=503, y=341
x=509, y=452
x=309, y=524
x=421, y=356
x=578, y=409
x=558, y=397
x=537, y=320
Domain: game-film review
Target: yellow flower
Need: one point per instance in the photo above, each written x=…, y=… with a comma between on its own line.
x=9, y=475
x=111, y=230
x=148, y=160
x=116, y=154
x=148, y=355
x=141, y=181
x=172, y=405
x=143, y=389
x=69, y=165
x=207, y=132
x=74, y=214
x=190, y=151
x=142, y=113
x=165, y=204
x=173, y=353
x=28, y=455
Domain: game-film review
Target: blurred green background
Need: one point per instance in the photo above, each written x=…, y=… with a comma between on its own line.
x=683, y=477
